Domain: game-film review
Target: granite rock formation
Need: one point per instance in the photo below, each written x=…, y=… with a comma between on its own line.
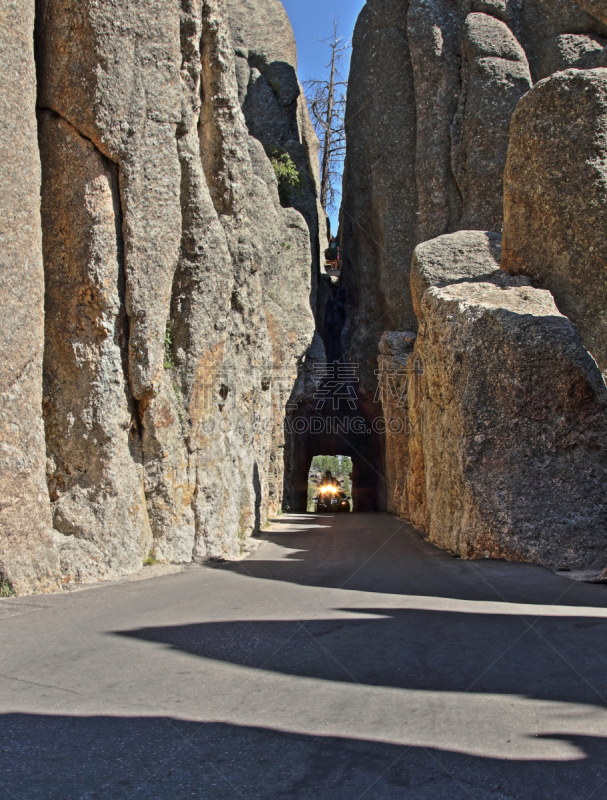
x=28, y=558
x=274, y=103
x=433, y=87
x=556, y=198
x=159, y=292
x=177, y=294
x=494, y=408
x=504, y=449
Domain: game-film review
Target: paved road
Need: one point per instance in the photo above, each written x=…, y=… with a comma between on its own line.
x=345, y=659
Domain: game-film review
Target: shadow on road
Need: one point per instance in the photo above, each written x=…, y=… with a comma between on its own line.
x=401, y=674
x=161, y=758
x=553, y=658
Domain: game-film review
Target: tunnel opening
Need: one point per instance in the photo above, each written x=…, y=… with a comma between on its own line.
x=336, y=413
x=330, y=469
x=316, y=428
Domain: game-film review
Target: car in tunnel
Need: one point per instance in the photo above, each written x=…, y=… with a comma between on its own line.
x=332, y=500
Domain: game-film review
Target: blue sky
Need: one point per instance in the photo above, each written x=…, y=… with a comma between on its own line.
x=311, y=21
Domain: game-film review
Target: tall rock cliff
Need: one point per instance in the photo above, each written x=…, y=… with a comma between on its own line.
x=177, y=286
x=27, y=556
x=556, y=198
x=433, y=87
x=494, y=409
x=274, y=103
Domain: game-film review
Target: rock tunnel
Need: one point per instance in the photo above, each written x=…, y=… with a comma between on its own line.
x=336, y=415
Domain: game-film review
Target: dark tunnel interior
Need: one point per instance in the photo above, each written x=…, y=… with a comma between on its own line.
x=339, y=418
x=311, y=431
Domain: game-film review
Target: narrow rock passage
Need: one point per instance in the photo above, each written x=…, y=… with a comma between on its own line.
x=346, y=658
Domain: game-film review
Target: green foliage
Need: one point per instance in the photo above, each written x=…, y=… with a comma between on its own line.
x=151, y=560
x=290, y=179
x=311, y=496
x=168, y=347
x=6, y=588
x=340, y=467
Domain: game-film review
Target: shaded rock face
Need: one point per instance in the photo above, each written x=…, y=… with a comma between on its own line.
x=398, y=386
x=559, y=34
x=379, y=204
x=556, y=198
x=27, y=555
x=505, y=454
x=177, y=289
x=433, y=87
x=274, y=104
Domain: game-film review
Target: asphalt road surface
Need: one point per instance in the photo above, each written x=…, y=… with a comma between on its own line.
x=346, y=659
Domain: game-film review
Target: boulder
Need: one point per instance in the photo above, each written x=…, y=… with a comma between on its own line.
x=507, y=446
x=495, y=77
x=462, y=257
x=433, y=87
x=456, y=257
x=556, y=198
x=28, y=558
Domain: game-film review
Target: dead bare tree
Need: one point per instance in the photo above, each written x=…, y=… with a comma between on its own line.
x=327, y=103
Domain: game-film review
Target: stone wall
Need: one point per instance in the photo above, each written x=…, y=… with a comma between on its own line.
x=178, y=288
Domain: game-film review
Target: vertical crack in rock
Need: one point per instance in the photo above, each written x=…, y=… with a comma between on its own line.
x=94, y=461
x=28, y=558
x=169, y=469
x=113, y=73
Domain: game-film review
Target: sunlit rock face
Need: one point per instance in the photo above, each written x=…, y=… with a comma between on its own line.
x=177, y=294
x=505, y=452
x=556, y=198
x=28, y=558
x=433, y=88
x=497, y=406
